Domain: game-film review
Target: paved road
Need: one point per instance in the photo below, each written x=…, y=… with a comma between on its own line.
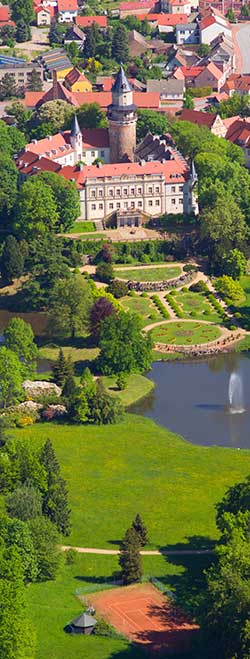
x=242, y=38
x=156, y=552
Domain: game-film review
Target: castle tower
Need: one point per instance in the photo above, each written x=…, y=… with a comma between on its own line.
x=76, y=139
x=122, y=121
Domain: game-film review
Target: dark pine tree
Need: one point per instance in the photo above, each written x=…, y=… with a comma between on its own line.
x=12, y=260
x=141, y=530
x=35, y=82
x=60, y=370
x=55, y=500
x=130, y=558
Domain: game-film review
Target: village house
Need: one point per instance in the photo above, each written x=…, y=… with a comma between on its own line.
x=212, y=121
x=188, y=33
x=5, y=17
x=239, y=83
x=238, y=132
x=137, y=8
x=75, y=35
x=44, y=15
x=176, y=6
x=213, y=26
x=87, y=21
x=67, y=10
x=76, y=81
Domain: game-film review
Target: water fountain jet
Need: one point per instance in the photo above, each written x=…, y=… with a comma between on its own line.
x=235, y=394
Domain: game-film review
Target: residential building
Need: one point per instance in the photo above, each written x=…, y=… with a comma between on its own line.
x=186, y=34
x=212, y=121
x=56, y=63
x=239, y=83
x=87, y=21
x=5, y=17
x=44, y=15
x=211, y=27
x=137, y=8
x=179, y=57
x=75, y=35
x=164, y=22
x=238, y=132
x=67, y=10
x=19, y=70
x=76, y=81
x=222, y=54
x=170, y=89
x=137, y=44
x=176, y=6
x=204, y=76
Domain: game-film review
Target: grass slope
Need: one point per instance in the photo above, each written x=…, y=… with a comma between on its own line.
x=137, y=387
x=113, y=472
x=149, y=274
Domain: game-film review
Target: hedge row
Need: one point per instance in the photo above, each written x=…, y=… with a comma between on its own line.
x=173, y=304
x=160, y=306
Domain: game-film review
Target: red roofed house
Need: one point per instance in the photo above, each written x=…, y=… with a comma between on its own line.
x=137, y=8
x=238, y=132
x=87, y=21
x=177, y=6
x=44, y=15
x=76, y=81
x=212, y=121
x=204, y=76
x=67, y=10
x=211, y=27
x=239, y=83
x=5, y=17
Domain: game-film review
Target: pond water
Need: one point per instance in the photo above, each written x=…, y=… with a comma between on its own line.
x=191, y=399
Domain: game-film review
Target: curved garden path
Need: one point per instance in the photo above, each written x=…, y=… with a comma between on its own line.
x=153, y=552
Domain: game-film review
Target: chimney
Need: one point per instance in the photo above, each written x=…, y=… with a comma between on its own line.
x=142, y=162
x=55, y=94
x=99, y=164
x=34, y=141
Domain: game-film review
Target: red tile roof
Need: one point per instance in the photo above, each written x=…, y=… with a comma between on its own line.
x=239, y=132
x=179, y=2
x=74, y=76
x=54, y=146
x=141, y=99
x=206, y=22
x=49, y=10
x=95, y=137
x=164, y=19
x=172, y=170
x=86, y=21
x=191, y=71
x=32, y=98
x=142, y=4
x=198, y=118
x=67, y=5
x=30, y=163
x=4, y=13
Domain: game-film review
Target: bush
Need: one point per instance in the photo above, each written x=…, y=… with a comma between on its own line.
x=144, y=294
x=118, y=288
x=23, y=421
x=70, y=556
x=199, y=287
x=160, y=306
x=105, y=272
x=103, y=628
x=189, y=268
x=229, y=289
x=122, y=381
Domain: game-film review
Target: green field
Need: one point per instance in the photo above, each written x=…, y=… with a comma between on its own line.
x=137, y=387
x=54, y=604
x=195, y=303
x=82, y=227
x=113, y=472
x=144, y=273
x=143, y=306
x=179, y=333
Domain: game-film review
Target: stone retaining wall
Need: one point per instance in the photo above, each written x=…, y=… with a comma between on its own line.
x=141, y=286
x=198, y=350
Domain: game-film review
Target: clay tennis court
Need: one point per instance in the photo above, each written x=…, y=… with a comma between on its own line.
x=144, y=615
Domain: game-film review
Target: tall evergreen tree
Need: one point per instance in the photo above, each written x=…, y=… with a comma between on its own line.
x=12, y=261
x=141, y=530
x=55, y=500
x=120, y=47
x=130, y=558
x=23, y=33
x=35, y=82
x=60, y=369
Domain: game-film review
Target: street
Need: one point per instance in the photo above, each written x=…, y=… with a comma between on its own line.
x=242, y=39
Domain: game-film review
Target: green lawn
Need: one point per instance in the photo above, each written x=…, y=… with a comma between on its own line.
x=77, y=354
x=54, y=604
x=195, y=303
x=113, y=472
x=144, y=306
x=144, y=273
x=179, y=333
x=137, y=387
x=82, y=227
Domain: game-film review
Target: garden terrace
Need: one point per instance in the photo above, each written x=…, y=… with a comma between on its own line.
x=185, y=333
x=149, y=273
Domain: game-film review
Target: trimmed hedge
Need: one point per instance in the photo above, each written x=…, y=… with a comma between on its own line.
x=173, y=304
x=160, y=306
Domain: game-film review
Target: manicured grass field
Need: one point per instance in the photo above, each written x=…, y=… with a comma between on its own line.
x=195, y=303
x=113, y=472
x=77, y=354
x=144, y=306
x=82, y=227
x=180, y=333
x=145, y=273
x=54, y=604
x=137, y=387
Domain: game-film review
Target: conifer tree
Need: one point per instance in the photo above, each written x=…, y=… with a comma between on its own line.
x=55, y=500
x=130, y=558
x=141, y=530
x=60, y=369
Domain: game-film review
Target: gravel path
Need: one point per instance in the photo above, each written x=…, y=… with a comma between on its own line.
x=156, y=552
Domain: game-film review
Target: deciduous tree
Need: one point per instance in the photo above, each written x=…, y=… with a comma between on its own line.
x=10, y=377
x=19, y=337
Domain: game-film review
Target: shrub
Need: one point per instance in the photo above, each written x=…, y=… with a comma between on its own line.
x=144, y=294
x=189, y=268
x=199, y=287
x=23, y=421
x=122, y=381
x=160, y=306
x=105, y=272
x=103, y=628
x=70, y=556
x=229, y=289
x=132, y=293
x=118, y=288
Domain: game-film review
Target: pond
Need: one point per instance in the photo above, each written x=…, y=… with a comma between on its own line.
x=191, y=399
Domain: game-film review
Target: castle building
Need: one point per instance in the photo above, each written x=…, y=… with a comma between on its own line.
x=122, y=121
x=129, y=183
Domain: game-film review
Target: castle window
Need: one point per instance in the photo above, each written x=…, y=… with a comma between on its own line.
x=173, y=201
x=140, y=204
x=100, y=193
x=118, y=205
x=139, y=190
x=101, y=206
x=132, y=191
x=93, y=154
x=111, y=206
x=150, y=203
x=132, y=204
x=173, y=188
x=150, y=190
x=111, y=192
x=157, y=202
x=118, y=192
x=92, y=193
x=125, y=191
x=125, y=204
x=93, y=207
x=181, y=188
x=157, y=190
